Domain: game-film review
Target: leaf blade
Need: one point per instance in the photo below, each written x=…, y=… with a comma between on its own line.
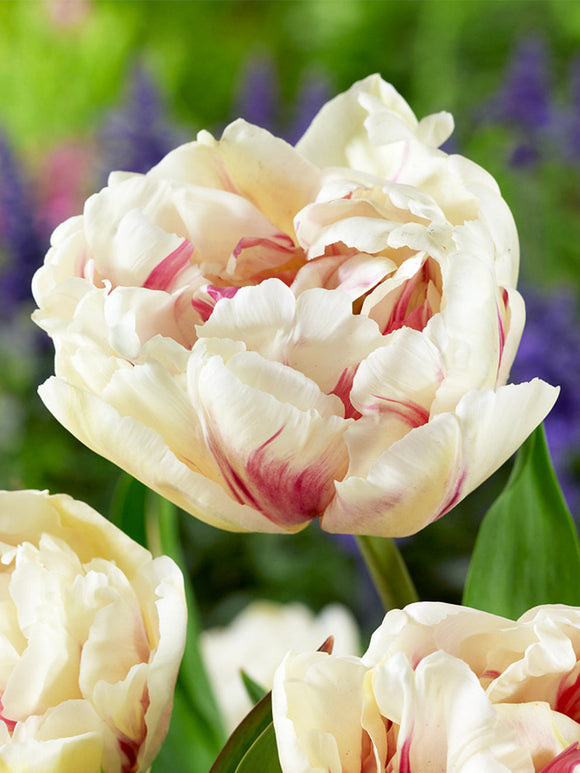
x=527, y=550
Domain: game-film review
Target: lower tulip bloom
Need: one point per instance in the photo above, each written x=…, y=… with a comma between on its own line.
x=256, y=642
x=93, y=630
x=268, y=334
x=441, y=688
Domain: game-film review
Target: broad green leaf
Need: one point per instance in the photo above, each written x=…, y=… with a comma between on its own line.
x=262, y=755
x=527, y=549
x=254, y=690
x=252, y=745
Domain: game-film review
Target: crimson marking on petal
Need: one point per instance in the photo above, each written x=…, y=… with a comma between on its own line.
x=417, y=317
x=166, y=272
x=235, y=483
x=452, y=499
x=412, y=413
x=280, y=243
x=129, y=750
x=205, y=307
x=565, y=762
x=405, y=761
x=343, y=389
x=501, y=325
x=288, y=497
x=490, y=673
x=10, y=723
x=217, y=293
x=284, y=491
x=403, y=162
x=568, y=698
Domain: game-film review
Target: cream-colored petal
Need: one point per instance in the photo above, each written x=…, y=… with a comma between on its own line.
x=274, y=449
x=424, y=474
x=142, y=452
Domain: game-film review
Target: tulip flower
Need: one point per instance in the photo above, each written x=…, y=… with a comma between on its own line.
x=93, y=630
x=267, y=334
x=441, y=688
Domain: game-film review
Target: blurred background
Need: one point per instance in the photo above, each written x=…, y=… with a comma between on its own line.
x=93, y=85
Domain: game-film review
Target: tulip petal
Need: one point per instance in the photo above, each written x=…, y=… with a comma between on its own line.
x=429, y=470
x=142, y=452
x=446, y=721
x=275, y=449
x=317, y=705
x=316, y=334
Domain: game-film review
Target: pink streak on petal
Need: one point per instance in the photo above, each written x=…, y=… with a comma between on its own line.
x=217, y=293
x=280, y=243
x=490, y=673
x=10, y=724
x=205, y=307
x=452, y=499
x=565, y=762
x=235, y=483
x=403, y=162
x=418, y=317
x=568, y=699
x=404, y=761
x=165, y=273
x=412, y=413
x=343, y=389
x=288, y=495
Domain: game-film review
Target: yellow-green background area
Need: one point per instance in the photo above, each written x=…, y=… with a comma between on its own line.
x=57, y=83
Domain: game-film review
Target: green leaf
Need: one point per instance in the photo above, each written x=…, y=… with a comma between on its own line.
x=527, y=550
x=252, y=745
x=262, y=755
x=255, y=691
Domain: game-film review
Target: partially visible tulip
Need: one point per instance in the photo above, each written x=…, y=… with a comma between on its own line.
x=268, y=334
x=441, y=688
x=92, y=634
x=256, y=642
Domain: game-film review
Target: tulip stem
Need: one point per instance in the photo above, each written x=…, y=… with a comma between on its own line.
x=388, y=571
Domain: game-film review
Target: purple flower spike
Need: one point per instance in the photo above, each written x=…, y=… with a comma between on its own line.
x=258, y=99
x=137, y=136
x=525, y=99
x=550, y=349
x=315, y=90
x=22, y=237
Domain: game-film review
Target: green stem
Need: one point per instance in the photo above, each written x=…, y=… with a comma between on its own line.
x=388, y=571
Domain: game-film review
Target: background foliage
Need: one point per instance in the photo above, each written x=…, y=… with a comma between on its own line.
x=89, y=86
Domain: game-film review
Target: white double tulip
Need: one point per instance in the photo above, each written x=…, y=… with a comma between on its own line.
x=92, y=631
x=268, y=334
x=441, y=689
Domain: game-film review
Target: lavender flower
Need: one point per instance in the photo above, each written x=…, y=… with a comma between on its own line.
x=138, y=135
x=23, y=237
x=525, y=102
x=258, y=99
x=315, y=91
x=549, y=349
